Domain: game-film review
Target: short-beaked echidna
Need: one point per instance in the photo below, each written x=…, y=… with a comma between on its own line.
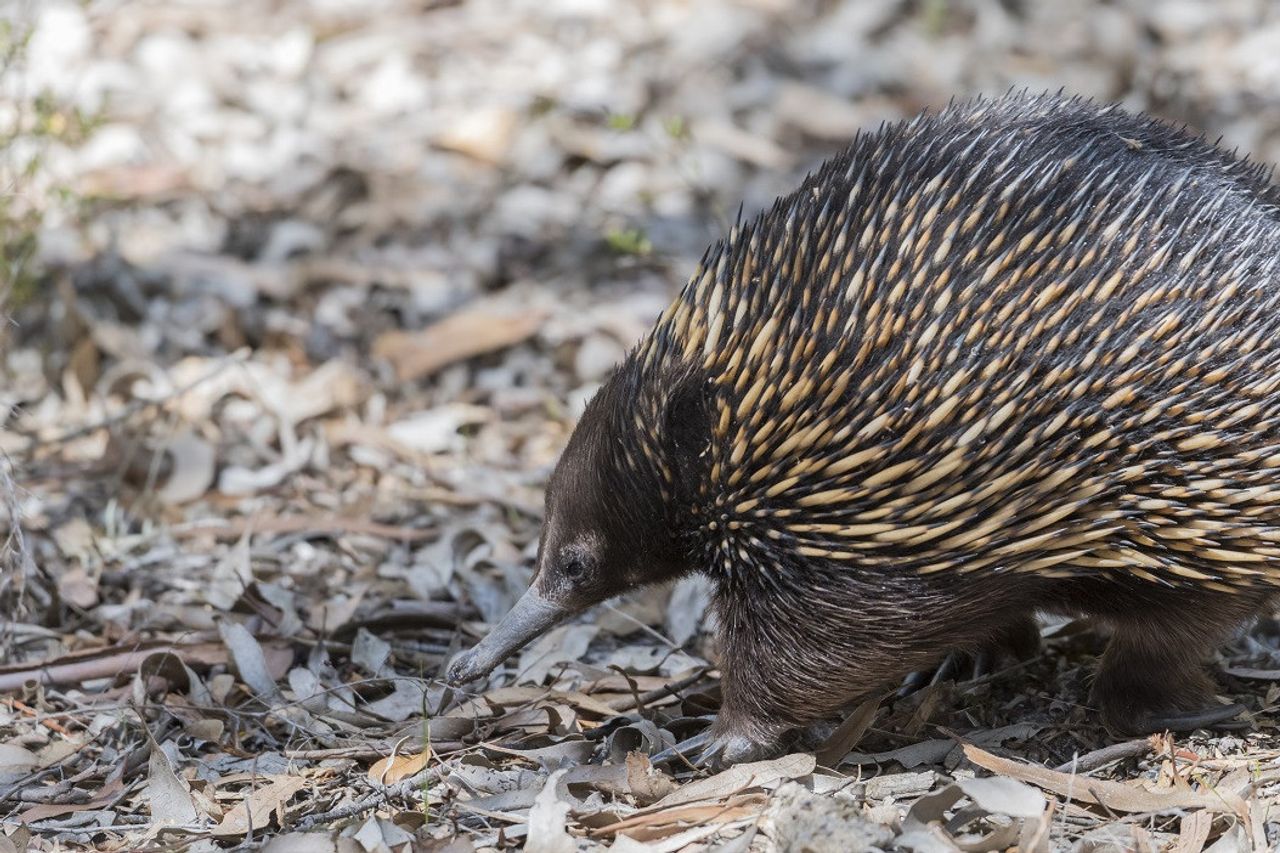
x=1022, y=354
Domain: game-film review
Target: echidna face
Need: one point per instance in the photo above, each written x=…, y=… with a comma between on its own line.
x=604, y=533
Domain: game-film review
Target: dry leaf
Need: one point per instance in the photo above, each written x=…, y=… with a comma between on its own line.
x=548, y=820
x=255, y=810
x=170, y=796
x=393, y=768
x=464, y=335
x=1001, y=795
x=1115, y=796
x=249, y=660
x=647, y=784
x=16, y=761
x=847, y=735
x=1193, y=832
x=194, y=467
x=676, y=817
x=77, y=587
x=484, y=134
x=740, y=777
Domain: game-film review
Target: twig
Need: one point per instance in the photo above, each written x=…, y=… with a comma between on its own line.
x=405, y=788
x=28, y=711
x=673, y=689
x=1091, y=761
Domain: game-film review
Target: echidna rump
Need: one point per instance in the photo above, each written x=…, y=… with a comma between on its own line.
x=1020, y=355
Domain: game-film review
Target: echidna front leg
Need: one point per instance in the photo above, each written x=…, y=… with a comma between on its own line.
x=749, y=725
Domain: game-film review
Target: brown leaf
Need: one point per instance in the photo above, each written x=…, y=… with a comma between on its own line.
x=171, y=803
x=464, y=335
x=740, y=778
x=647, y=784
x=255, y=810
x=847, y=735
x=647, y=824
x=393, y=768
x=1115, y=796
x=1193, y=832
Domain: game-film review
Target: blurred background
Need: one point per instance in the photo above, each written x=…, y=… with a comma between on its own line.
x=305, y=295
x=307, y=185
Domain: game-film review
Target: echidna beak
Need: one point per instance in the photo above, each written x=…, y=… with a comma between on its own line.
x=531, y=616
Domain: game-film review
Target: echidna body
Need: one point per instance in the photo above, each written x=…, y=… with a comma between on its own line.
x=1020, y=355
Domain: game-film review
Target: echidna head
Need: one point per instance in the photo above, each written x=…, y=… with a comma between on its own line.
x=609, y=517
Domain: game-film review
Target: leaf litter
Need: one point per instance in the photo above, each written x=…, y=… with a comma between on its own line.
x=277, y=426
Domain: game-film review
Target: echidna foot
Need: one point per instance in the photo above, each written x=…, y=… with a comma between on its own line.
x=733, y=739
x=734, y=748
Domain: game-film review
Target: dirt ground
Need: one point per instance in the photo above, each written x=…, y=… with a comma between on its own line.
x=305, y=297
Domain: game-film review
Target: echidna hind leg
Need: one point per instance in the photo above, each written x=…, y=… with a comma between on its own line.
x=1152, y=678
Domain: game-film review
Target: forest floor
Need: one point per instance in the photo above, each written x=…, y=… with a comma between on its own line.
x=305, y=302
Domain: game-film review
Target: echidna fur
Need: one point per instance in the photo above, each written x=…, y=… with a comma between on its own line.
x=1018, y=355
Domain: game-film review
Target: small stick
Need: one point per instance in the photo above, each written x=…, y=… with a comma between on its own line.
x=372, y=801
x=672, y=689
x=27, y=710
x=1091, y=761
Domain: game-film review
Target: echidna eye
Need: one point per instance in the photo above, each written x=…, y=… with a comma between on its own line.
x=573, y=568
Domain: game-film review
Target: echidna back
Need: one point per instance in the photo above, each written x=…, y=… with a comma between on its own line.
x=1028, y=334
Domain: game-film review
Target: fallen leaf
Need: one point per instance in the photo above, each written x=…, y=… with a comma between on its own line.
x=301, y=842
x=437, y=430
x=729, y=809
x=230, y=577
x=393, y=768
x=377, y=834
x=646, y=783
x=1115, y=796
x=738, y=778
x=16, y=760
x=194, y=468
x=1193, y=832
x=566, y=644
x=847, y=735
x=484, y=134
x=171, y=802
x=109, y=793
x=548, y=820
x=1002, y=795
x=77, y=587
x=255, y=810
x=249, y=660
x=463, y=335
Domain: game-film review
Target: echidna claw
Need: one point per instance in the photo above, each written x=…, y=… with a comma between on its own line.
x=1186, y=721
x=685, y=749
x=709, y=751
x=957, y=666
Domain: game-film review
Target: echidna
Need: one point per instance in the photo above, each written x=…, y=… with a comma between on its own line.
x=1019, y=355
